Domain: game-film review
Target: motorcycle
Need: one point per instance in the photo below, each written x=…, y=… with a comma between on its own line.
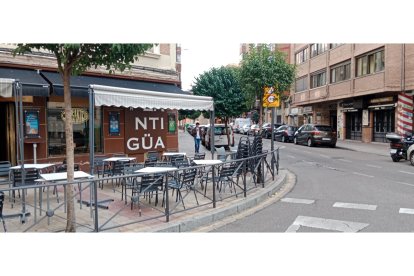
x=399, y=145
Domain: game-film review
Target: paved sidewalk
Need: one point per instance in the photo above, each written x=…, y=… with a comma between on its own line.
x=373, y=147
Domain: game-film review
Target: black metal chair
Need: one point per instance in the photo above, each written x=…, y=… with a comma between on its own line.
x=5, y=172
x=29, y=179
x=150, y=161
x=101, y=168
x=176, y=158
x=199, y=156
x=152, y=155
x=149, y=184
x=1, y=211
x=130, y=182
x=118, y=169
x=184, y=180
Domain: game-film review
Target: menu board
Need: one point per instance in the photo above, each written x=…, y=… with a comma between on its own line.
x=114, y=123
x=31, y=124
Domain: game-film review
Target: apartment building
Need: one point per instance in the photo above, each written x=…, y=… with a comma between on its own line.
x=158, y=71
x=362, y=90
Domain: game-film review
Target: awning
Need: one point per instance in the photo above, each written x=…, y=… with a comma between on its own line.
x=117, y=96
x=32, y=83
x=79, y=84
x=382, y=106
x=6, y=87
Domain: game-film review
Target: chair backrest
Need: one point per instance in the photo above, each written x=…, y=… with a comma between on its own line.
x=150, y=162
x=200, y=156
x=153, y=180
x=227, y=170
x=30, y=177
x=176, y=158
x=152, y=154
x=4, y=168
x=118, y=167
x=131, y=168
x=181, y=163
x=162, y=164
x=188, y=176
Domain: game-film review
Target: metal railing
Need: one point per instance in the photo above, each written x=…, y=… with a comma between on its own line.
x=115, y=208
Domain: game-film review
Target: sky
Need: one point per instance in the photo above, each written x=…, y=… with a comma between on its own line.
x=198, y=57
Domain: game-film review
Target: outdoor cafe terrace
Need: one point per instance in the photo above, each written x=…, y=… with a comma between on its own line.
x=133, y=196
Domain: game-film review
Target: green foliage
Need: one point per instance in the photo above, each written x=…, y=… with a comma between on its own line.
x=255, y=117
x=77, y=58
x=262, y=68
x=192, y=114
x=222, y=84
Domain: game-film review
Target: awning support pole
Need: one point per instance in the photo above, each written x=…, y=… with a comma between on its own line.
x=92, y=151
x=212, y=115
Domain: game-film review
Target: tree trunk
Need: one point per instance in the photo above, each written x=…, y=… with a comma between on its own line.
x=70, y=160
x=227, y=132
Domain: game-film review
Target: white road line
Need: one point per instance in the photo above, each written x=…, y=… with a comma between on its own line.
x=290, y=156
x=297, y=200
x=406, y=172
x=362, y=174
x=355, y=206
x=403, y=183
x=344, y=160
x=324, y=156
x=328, y=224
x=331, y=168
x=374, y=166
x=406, y=211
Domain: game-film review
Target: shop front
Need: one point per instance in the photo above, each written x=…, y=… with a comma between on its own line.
x=383, y=113
x=118, y=127
x=353, y=118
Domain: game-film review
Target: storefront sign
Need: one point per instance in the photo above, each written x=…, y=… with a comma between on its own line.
x=79, y=115
x=381, y=100
x=307, y=109
x=146, y=131
x=31, y=123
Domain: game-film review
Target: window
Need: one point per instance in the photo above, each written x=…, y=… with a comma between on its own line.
x=334, y=45
x=318, y=79
x=301, y=84
x=341, y=72
x=56, y=130
x=301, y=56
x=370, y=63
x=317, y=49
x=155, y=49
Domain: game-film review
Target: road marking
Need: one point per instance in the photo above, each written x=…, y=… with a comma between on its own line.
x=324, y=156
x=374, y=166
x=331, y=168
x=355, y=206
x=362, y=174
x=327, y=224
x=344, y=160
x=403, y=183
x=290, y=156
x=297, y=200
x=406, y=172
x=406, y=211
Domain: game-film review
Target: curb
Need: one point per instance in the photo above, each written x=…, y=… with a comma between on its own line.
x=215, y=215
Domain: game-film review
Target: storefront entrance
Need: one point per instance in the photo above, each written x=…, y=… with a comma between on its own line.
x=354, y=125
x=384, y=122
x=7, y=133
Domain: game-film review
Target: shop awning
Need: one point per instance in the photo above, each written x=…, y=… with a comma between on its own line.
x=79, y=84
x=32, y=83
x=118, y=96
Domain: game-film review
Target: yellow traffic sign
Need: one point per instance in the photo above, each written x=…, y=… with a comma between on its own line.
x=270, y=99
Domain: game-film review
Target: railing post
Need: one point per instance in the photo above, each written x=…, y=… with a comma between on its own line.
x=244, y=178
x=214, y=185
x=167, y=203
x=92, y=152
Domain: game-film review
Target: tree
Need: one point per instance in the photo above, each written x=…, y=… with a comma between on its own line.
x=223, y=85
x=74, y=59
x=261, y=68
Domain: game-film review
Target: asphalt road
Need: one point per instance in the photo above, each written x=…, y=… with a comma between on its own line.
x=337, y=190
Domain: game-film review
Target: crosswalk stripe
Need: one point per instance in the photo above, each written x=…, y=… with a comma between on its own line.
x=297, y=200
x=328, y=224
x=406, y=211
x=355, y=206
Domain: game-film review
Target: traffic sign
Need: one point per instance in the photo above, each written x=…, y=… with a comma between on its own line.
x=270, y=98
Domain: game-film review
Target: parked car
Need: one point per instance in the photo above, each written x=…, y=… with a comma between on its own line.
x=190, y=127
x=254, y=129
x=239, y=123
x=220, y=136
x=285, y=133
x=312, y=134
x=266, y=129
x=245, y=129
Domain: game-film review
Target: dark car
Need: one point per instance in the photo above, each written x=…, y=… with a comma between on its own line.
x=285, y=133
x=266, y=132
x=313, y=134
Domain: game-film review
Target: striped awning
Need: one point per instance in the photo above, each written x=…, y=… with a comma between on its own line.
x=124, y=97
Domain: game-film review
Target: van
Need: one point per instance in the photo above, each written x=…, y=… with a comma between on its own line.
x=220, y=136
x=239, y=123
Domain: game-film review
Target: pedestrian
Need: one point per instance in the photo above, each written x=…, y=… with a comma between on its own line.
x=196, y=133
